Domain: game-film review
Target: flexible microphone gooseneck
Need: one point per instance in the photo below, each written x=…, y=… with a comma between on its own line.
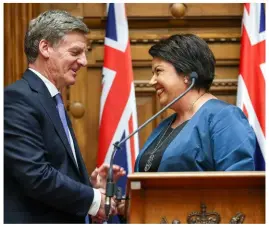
x=110, y=186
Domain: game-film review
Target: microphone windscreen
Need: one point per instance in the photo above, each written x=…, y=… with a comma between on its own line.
x=194, y=75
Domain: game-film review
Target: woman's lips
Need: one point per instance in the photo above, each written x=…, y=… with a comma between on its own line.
x=159, y=91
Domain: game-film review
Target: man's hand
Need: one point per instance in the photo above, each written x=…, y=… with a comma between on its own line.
x=101, y=215
x=98, y=180
x=99, y=175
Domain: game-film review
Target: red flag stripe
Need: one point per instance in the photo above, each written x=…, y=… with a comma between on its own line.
x=132, y=142
x=251, y=72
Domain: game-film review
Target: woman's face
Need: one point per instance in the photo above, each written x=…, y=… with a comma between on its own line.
x=166, y=81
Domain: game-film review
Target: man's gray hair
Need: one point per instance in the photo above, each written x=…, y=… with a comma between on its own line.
x=51, y=25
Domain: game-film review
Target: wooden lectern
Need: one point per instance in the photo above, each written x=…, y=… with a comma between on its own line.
x=196, y=197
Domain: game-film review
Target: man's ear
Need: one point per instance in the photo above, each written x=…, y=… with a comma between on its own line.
x=44, y=47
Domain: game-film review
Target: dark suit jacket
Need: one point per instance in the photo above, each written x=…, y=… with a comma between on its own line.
x=42, y=183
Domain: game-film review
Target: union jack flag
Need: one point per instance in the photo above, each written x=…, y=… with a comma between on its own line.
x=118, y=116
x=251, y=96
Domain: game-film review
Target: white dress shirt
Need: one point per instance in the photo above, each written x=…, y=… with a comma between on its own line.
x=54, y=91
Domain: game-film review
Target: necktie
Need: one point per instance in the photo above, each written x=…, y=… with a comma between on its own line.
x=61, y=110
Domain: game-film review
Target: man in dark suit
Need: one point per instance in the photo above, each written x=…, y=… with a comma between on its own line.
x=45, y=179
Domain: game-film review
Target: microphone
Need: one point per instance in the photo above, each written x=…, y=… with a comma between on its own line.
x=110, y=186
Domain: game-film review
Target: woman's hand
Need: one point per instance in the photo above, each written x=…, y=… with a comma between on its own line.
x=121, y=208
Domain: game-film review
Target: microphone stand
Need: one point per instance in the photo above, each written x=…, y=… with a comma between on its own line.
x=110, y=186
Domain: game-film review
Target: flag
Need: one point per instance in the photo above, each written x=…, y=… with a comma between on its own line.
x=251, y=96
x=118, y=117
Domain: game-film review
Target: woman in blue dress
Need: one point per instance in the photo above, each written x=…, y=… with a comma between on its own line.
x=205, y=133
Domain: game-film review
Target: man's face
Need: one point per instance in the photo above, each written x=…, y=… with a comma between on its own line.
x=66, y=58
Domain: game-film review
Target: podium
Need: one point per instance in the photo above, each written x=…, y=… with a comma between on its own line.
x=196, y=197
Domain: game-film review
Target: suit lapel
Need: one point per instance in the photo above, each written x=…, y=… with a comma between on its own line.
x=80, y=161
x=49, y=105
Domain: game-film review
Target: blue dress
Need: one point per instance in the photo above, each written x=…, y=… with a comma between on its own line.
x=217, y=138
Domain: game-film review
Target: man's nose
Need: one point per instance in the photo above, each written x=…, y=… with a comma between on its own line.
x=83, y=59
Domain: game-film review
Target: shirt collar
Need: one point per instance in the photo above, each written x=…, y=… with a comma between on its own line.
x=51, y=87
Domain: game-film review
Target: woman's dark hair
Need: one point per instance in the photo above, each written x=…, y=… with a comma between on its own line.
x=187, y=53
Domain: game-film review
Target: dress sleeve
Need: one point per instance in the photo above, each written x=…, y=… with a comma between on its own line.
x=233, y=141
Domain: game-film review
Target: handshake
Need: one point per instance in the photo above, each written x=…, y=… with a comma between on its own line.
x=98, y=180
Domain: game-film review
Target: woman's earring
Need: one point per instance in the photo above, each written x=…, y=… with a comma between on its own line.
x=186, y=81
